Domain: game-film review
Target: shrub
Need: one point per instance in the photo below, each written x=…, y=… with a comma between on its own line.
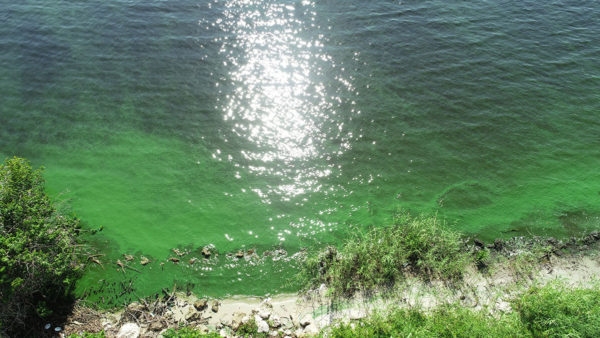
x=38, y=254
x=412, y=245
x=557, y=311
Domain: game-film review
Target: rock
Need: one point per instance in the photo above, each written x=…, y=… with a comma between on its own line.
x=181, y=314
x=250, y=252
x=135, y=306
x=174, y=259
x=311, y=330
x=275, y=321
x=262, y=326
x=286, y=323
x=144, y=260
x=236, y=320
x=156, y=326
x=128, y=258
x=273, y=334
x=178, y=252
x=239, y=254
x=193, y=315
x=266, y=303
x=215, y=306
x=223, y=333
x=498, y=244
x=206, y=252
x=193, y=260
x=305, y=321
x=129, y=330
x=203, y=329
x=356, y=314
x=478, y=243
x=200, y=304
x=264, y=315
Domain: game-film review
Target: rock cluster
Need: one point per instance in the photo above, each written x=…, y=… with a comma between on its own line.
x=152, y=319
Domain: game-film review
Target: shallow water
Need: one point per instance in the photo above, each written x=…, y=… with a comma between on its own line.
x=267, y=124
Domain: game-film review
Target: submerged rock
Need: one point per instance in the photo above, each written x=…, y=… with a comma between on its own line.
x=178, y=252
x=174, y=259
x=206, y=251
x=144, y=260
x=128, y=258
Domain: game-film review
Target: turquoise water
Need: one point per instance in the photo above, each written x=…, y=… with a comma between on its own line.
x=290, y=124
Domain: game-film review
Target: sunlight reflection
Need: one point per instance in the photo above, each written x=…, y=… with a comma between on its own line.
x=277, y=99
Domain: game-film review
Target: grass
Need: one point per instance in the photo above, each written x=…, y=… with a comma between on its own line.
x=447, y=321
x=381, y=257
x=557, y=311
x=554, y=310
x=188, y=332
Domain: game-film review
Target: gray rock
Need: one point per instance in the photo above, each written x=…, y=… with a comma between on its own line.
x=237, y=320
x=311, y=329
x=275, y=321
x=129, y=330
x=264, y=315
x=156, y=326
x=262, y=326
x=286, y=323
x=215, y=306
x=181, y=314
x=305, y=321
x=200, y=304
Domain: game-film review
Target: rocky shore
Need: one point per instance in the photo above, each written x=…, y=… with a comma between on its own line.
x=518, y=264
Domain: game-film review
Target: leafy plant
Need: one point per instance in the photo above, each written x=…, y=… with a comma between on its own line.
x=420, y=246
x=39, y=261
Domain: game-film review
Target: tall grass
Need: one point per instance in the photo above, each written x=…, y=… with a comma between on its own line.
x=557, y=311
x=554, y=310
x=447, y=321
x=419, y=246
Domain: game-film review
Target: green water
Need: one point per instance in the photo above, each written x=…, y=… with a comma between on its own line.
x=290, y=124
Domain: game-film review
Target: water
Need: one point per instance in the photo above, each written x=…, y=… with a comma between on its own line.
x=291, y=124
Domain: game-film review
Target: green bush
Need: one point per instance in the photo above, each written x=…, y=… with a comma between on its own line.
x=249, y=329
x=38, y=254
x=557, y=311
x=412, y=245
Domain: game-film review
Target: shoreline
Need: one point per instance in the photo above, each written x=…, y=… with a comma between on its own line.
x=518, y=263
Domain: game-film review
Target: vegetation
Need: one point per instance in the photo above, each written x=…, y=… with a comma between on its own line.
x=39, y=260
x=381, y=257
x=449, y=321
x=249, y=329
x=187, y=332
x=550, y=311
x=88, y=335
x=557, y=311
